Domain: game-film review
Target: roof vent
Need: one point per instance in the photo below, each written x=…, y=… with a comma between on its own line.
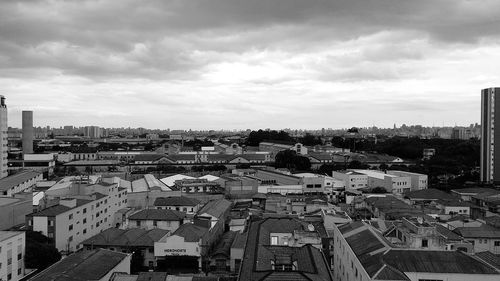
x=310, y=227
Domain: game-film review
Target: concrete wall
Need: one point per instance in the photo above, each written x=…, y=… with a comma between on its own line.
x=27, y=132
x=15, y=213
x=11, y=248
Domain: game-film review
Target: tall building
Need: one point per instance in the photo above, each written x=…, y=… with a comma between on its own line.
x=27, y=132
x=490, y=150
x=93, y=132
x=3, y=137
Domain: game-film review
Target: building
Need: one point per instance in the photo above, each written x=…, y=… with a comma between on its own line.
x=96, y=265
x=220, y=257
x=351, y=179
x=484, y=238
x=148, y=219
x=490, y=169
x=3, y=138
x=27, y=132
x=362, y=253
x=80, y=212
x=128, y=241
x=13, y=248
x=462, y=133
x=391, y=183
x=93, y=132
x=184, y=204
x=19, y=182
x=283, y=249
x=13, y=211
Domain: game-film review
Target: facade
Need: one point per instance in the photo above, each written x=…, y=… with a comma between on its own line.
x=78, y=215
x=93, y=132
x=27, y=132
x=490, y=151
x=184, y=204
x=352, y=180
x=391, y=183
x=418, y=181
x=156, y=219
x=13, y=248
x=3, y=137
x=13, y=211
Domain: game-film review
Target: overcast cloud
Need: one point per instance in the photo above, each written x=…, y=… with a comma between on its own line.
x=248, y=63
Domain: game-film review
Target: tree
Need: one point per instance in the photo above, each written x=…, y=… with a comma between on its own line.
x=357, y=165
x=40, y=251
x=310, y=140
x=290, y=160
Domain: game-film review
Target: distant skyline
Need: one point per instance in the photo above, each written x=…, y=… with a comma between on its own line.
x=238, y=64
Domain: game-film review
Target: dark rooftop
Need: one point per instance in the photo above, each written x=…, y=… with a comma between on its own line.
x=158, y=215
x=51, y=211
x=436, y=262
x=176, y=201
x=429, y=194
x=82, y=266
x=134, y=237
x=191, y=232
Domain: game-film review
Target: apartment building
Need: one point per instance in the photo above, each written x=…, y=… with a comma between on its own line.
x=12, y=250
x=81, y=212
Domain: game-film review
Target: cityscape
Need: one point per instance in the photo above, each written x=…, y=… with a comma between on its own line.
x=249, y=140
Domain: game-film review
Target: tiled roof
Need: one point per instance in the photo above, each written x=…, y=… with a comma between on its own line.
x=158, y=215
x=429, y=194
x=126, y=237
x=258, y=253
x=224, y=245
x=216, y=208
x=472, y=190
x=82, y=266
x=148, y=157
x=490, y=258
x=14, y=180
x=191, y=232
x=239, y=241
x=435, y=262
x=446, y=233
x=485, y=231
x=176, y=201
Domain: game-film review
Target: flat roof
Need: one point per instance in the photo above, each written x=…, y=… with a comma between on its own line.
x=4, y=235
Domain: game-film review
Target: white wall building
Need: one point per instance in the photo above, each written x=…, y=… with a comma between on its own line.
x=82, y=213
x=418, y=181
x=12, y=251
x=19, y=182
x=391, y=183
x=352, y=180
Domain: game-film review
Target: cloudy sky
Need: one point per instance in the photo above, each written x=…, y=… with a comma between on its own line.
x=248, y=63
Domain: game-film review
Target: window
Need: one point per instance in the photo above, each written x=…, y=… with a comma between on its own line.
x=19, y=271
x=51, y=223
x=85, y=220
x=19, y=257
x=70, y=239
x=70, y=216
x=155, y=223
x=70, y=227
x=84, y=210
x=138, y=223
x=274, y=240
x=497, y=243
x=425, y=243
x=84, y=231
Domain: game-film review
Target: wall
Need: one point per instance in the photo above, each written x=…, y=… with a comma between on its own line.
x=14, y=214
x=451, y=277
x=11, y=247
x=123, y=266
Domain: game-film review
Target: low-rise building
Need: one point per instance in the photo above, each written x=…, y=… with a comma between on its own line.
x=484, y=238
x=187, y=205
x=351, y=179
x=220, y=257
x=390, y=182
x=96, y=265
x=12, y=252
x=362, y=253
x=156, y=219
x=128, y=241
x=13, y=211
x=20, y=182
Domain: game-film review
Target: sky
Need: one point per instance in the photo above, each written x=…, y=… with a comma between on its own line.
x=238, y=64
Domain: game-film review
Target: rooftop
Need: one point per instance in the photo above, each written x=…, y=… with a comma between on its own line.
x=176, y=201
x=134, y=237
x=158, y=215
x=14, y=180
x=191, y=232
x=216, y=208
x=4, y=235
x=82, y=266
x=429, y=194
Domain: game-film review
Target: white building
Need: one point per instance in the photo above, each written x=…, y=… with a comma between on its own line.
x=418, y=181
x=82, y=212
x=352, y=179
x=3, y=137
x=391, y=183
x=12, y=251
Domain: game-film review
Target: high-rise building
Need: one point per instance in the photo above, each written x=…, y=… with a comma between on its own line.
x=490, y=148
x=3, y=137
x=27, y=132
x=93, y=132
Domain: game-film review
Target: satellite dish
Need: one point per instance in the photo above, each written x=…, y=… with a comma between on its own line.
x=310, y=227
